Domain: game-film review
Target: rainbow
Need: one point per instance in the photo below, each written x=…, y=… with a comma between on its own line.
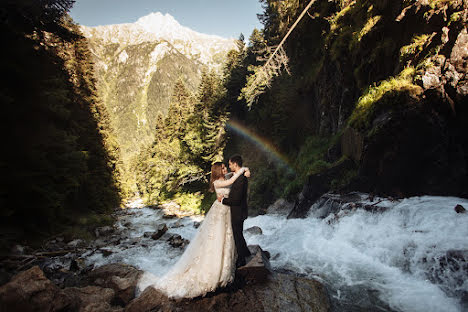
x=261, y=142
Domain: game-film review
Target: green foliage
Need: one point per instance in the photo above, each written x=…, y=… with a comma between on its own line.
x=188, y=201
x=207, y=201
x=371, y=22
x=438, y=3
x=457, y=16
x=278, y=16
x=349, y=26
x=414, y=48
x=309, y=160
x=188, y=140
x=379, y=97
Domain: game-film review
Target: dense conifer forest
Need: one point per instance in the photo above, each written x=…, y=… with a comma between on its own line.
x=58, y=158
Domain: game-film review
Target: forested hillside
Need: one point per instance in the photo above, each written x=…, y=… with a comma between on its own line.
x=137, y=66
x=59, y=155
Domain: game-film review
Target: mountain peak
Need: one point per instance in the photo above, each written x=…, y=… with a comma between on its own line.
x=155, y=22
x=166, y=26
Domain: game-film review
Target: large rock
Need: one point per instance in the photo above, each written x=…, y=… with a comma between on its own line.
x=459, y=209
x=457, y=67
x=280, y=207
x=93, y=298
x=150, y=300
x=414, y=153
x=280, y=292
x=122, y=278
x=31, y=291
x=254, y=230
x=317, y=185
x=161, y=229
x=177, y=241
x=258, y=266
x=104, y=231
x=352, y=144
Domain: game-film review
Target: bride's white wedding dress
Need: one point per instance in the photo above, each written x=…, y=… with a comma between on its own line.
x=209, y=260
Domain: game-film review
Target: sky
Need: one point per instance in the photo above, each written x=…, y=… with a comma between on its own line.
x=225, y=18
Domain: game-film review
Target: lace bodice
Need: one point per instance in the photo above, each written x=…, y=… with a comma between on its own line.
x=223, y=191
x=223, y=187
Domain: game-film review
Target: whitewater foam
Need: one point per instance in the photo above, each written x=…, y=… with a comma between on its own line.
x=392, y=252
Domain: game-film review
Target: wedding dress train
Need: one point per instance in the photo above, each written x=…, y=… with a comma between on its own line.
x=209, y=260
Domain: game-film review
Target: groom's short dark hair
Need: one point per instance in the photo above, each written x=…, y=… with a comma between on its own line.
x=236, y=159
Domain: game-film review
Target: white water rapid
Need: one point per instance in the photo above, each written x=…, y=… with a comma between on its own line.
x=412, y=257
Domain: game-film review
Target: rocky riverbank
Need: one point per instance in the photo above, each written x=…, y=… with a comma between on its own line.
x=60, y=276
x=369, y=253
x=112, y=288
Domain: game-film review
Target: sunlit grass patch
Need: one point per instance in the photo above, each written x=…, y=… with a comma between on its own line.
x=368, y=103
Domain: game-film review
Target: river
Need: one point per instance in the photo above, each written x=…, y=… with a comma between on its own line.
x=410, y=257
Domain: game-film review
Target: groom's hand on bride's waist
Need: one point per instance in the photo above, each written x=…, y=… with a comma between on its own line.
x=220, y=198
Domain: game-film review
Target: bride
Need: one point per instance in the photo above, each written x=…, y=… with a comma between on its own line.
x=209, y=260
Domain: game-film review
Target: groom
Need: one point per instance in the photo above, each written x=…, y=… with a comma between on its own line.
x=237, y=200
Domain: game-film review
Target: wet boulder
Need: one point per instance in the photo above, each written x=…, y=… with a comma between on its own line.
x=459, y=209
x=103, y=231
x=280, y=207
x=76, y=243
x=177, y=241
x=31, y=291
x=317, y=185
x=279, y=292
x=93, y=298
x=258, y=266
x=254, y=230
x=177, y=224
x=122, y=278
x=106, y=252
x=160, y=231
x=18, y=250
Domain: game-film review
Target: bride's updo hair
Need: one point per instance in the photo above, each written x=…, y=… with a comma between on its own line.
x=216, y=173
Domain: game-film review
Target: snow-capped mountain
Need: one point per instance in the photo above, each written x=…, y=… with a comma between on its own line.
x=137, y=65
x=158, y=27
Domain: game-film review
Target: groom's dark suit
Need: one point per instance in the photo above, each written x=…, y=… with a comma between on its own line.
x=237, y=200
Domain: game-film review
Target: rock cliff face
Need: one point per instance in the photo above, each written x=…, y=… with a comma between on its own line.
x=421, y=148
x=137, y=65
x=393, y=84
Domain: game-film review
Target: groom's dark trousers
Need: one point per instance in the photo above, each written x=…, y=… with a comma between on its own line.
x=237, y=200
